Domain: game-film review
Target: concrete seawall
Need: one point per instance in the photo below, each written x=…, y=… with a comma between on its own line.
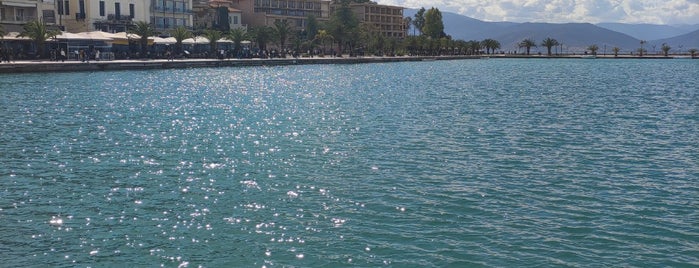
x=74, y=66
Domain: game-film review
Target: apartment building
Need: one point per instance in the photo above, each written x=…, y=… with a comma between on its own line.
x=169, y=14
x=15, y=13
x=387, y=19
x=217, y=14
x=104, y=15
x=294, y=12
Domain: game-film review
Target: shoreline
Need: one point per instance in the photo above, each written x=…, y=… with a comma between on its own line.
x=42, y=66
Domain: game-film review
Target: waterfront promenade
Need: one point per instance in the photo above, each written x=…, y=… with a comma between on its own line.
x=38, y=66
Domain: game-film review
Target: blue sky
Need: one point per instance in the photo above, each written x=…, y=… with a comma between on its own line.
x=560, y=11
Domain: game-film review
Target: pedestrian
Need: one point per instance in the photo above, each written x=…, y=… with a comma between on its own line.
x=97, y=55
x=63, y=55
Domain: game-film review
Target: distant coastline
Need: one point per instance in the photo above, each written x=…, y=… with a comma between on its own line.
x=118, y=65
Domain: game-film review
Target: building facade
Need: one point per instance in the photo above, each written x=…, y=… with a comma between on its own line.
x=104, y=15
x=217, y=14
x=15, y=13
x=294, y=12
x=388, y=20
x=166, y=15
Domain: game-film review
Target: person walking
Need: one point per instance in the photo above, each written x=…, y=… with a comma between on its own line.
x=63, y=55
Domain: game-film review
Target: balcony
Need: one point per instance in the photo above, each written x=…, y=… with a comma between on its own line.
x=80, y=16
x=114, y=17
x=173, y=10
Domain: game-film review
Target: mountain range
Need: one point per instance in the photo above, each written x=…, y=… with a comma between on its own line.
x=575, y=37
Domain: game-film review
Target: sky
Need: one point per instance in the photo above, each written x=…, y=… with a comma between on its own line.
x=562, y=11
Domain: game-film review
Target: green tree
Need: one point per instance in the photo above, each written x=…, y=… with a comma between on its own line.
x=474, y=47
x=490, y=45
x=419, y=20
x=144, y=30
x=434, y=27
x=593, y=49
x=549, y=43
x=407, y=21
x=213, y=36
x=261, y=36
x=237, y=35
x=180, y=33
x=311, y=27
x=641, y=49
x=666, y=49
x=693, y=52
x=37, y=31
x=343, y=25
x=323, y=37
x=616, y=51
x=281, y=32
x=527, y=44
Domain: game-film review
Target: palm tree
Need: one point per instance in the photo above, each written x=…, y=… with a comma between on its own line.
x=474, y=47
x=213, y=36
x=666, y=48
x=490, y=44
x=549, y=43
x=180, y=33
x=407, y=21
x=640, y=50
x=37, y=31
x=323, y=36
x=693, y=52
x=144, y=30
x=527, y=44
x=281, y=32
x=261, y=35
x=593, y=49
x=237, y=35
x=616, y=51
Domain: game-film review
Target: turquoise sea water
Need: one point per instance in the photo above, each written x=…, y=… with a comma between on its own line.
x=493, y=163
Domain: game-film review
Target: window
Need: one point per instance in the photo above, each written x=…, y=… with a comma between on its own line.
x=19, y=14
x=235, y=20
x=81, y=5
x=132, y=10
x=60, y=8
x=67, y=8
x=102, y=9
x=117, y=10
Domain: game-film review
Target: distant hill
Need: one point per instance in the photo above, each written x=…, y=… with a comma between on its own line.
x=649, y=31
x=575, y=37
x=682, y=42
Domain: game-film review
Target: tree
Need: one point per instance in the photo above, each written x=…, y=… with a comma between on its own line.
x=37, y=31
x=490, y=44
x=666, y=48
x=180, y=33
x=527, y=44
x=261, y=36
x=616, y=51
x=593, y=49
x=213, y=36
x=144, y=30
x=237, y=35
x=323, y=37
x=407, y=21
x=311, y=27
x=549, y=43
x=693, y=52
x=343, y=25
x=434, y=27
x=641, y=50
x=419, y=20
x=474, y=47
x=281, y=32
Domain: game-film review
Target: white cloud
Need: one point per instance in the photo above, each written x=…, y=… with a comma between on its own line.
x=559, y=11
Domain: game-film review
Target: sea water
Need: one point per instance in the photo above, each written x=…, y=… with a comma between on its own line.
x=466, y=163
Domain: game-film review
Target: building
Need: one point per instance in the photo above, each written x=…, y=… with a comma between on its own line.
x=217, y=14
x=388, y=20
x=104, y=15
x=15, y=13
x=169, y=14
x=294, y=12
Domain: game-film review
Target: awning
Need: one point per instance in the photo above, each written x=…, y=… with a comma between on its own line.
x=18, y=4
